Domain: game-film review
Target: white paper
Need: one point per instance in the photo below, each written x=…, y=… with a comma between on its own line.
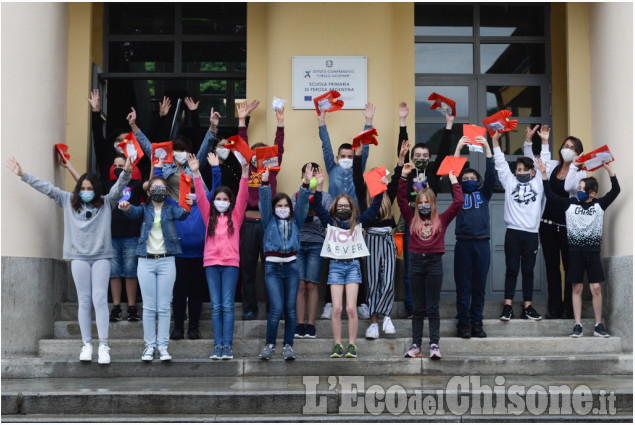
x=341, y=245
x=496, y=126
x=271, y=162
x=131, y=151
x=598, y=161
x=160, y=153
x=324, y=104
x=240, y=158
x=278, y=103
x=475, y=148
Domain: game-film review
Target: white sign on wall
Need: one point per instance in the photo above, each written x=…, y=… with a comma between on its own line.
x=315, y=75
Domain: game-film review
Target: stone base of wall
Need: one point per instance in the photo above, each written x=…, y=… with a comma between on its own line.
x=617, y=299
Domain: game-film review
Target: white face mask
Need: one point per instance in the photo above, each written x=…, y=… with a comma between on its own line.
x=567, y=154
x=223, y=153
x=283, y=213
x=221, y=206
x=180, y=157
x=346, y=163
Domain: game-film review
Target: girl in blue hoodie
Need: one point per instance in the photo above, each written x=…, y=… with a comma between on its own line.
x=281, y=244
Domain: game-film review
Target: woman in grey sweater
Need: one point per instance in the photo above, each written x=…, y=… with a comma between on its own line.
x=87, y=243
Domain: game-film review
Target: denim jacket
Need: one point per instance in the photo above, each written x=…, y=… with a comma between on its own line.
x=282, y=237
x=169, y=213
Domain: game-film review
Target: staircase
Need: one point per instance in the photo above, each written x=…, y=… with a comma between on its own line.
x=56, y=387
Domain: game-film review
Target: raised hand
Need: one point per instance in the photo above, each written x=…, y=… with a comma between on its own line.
x=403, y=113
x=495, y=139
x=405, y=147
x=124, y=205
x=542, y=167
x=358, y=150
x=449, y=120
x=322, y=117
x=576, y=162
x=132, y=117
x=319, y=176
x=128, y=166
x=530, y=132
x=483, y=142
x=369, y=113
x=14, y=166
x=191, y=105
x=245, y=171
x=265, y=175
x=308, y=173
x=188, y=199
x=385, y=180
x=280, y=117
x=462, y=142
x=251, y=106
x=212, y=159
x=164, y=107
x=452, y=177
x=193, y=163
x=95, y=106
x=241, y=108
x=608, y=169
x=407, y=169
x=214, y=118
x=544, y=134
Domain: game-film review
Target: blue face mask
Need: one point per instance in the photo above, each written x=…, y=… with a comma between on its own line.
x=87, y=195
x=582, y=196
x=469, y=186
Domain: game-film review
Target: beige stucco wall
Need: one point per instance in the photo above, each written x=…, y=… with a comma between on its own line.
x=381, y=31
x=34, y=81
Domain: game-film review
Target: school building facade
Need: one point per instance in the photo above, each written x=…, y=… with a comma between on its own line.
x=568, y=65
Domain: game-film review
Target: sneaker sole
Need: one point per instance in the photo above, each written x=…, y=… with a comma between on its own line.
x=600, y=335
x=100, y=362
x=310, y=336
x=435, y=357
x=531, y=318
x=505, y=319
x=351, y=356
x=166, y=359
x=575, y=336
x=290, y=358
x=372, y=337
x=336, y=356
x=391, y=332
x=86, y=360
x=298, y=336
x=146, y=360
x=214, y=357
x=413, y=357
x=227, y=358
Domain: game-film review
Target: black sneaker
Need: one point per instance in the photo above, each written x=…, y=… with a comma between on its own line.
x=115, y=313
x=299, y=330
x=309, y=331
x=477, y=330
x=463, y=330
x=177, y=333
x=507, y=313
x=193, y=333
x=600, y=331
x=133, y=315
x=249, y=315
x=530, y=313
x=577, y=331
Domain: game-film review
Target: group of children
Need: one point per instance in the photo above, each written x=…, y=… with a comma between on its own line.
x=226, y=230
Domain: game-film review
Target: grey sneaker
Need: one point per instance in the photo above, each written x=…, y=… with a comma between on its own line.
x=600, y=331
x=163, y=353
x=268, y=351
x=287, y=352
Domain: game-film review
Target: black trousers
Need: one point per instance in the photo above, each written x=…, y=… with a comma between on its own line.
x=189, y=290
x=520, y=254
x=251, y=235
x=554, y=245
x=426, y=278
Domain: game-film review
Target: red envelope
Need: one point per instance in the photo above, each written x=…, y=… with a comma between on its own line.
x=185, y=184
x=595, y=159
x=62, y=151
x=442, y=102
x=162, y=151
x=329, y=101
x=130, y=147
x=373, y=181
x=472, y=132
x=399, y=242
x=267, y=156
x=451, y=163
x=499, y=122
x=368, y=137
x=239, y=145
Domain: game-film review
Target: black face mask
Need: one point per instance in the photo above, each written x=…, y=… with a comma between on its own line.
x=158, y=194
x=344, y=214
x=118, y=172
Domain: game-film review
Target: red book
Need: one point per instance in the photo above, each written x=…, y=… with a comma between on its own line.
x=373, y=181
x=443, y=103
x=451, y=163
x=62, y=151
x=162, y=151
x=329, y=101
x=597, y=158
x=367, y=137
x=185, y=184
x=240, y=148
x=267, y=156
x=500, y=122
x=131, y=148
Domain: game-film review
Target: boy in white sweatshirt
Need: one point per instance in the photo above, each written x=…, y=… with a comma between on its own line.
x=523, y=209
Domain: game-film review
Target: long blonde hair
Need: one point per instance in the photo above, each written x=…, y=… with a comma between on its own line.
x=416, y=226
x=351, y=202
x=385, y=211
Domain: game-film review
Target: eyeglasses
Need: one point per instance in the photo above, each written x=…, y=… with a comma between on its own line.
x=154, y=186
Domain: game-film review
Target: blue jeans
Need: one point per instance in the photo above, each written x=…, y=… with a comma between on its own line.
x=156, y=279
x=471, y=264
x=124, y=260
x=309, y=261
x=222, y=281
x=281, y=281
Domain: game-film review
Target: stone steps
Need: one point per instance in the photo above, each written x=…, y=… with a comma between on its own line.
x=287, y=396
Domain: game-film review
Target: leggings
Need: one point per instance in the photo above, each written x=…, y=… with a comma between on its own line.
x=91, y=281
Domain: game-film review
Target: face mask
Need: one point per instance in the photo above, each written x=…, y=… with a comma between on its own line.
x=283, y=213
x=223, y=153
x=343, y=214
x=582, y=196
x=180, y=157
x=523, y=178
x=193, y=197
x=567, y=154
x=221, y=206
x=425, y=209
x=421, y=163
x=469, y=186
x=118, y=172
x=89, y=195
x=346, y=163
x=158, y=194
x=117, y=148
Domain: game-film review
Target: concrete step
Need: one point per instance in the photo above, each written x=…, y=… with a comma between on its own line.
x=447, y=310
x=451, y=364
x=403, y=328
x=292, y=396
x=320, y=348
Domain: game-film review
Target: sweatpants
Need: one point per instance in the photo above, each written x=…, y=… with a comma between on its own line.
x=471, y=264
x=380, y=272
x=91, y=282
x=520, y=254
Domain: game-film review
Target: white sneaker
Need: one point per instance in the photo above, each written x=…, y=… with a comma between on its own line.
x=328, y=311
x=163, y=353
x=373, y=331
x=86, y=355
x=104, y=354
x=388, y=327
x=363, y=312
x=148, y=354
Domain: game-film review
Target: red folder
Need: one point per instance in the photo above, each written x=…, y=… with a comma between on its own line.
x=473, y=131
x=162, y=151
x=267, y=156
x=185, y=184
x=451, y=163
x=595, y=159
x=238, y=145
x=367, y=137
x=329, y=101
x=500, y=122
x=62, y=151
x=399, y=242
x=443, y=103
x=373, y=181
x=131, y=148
